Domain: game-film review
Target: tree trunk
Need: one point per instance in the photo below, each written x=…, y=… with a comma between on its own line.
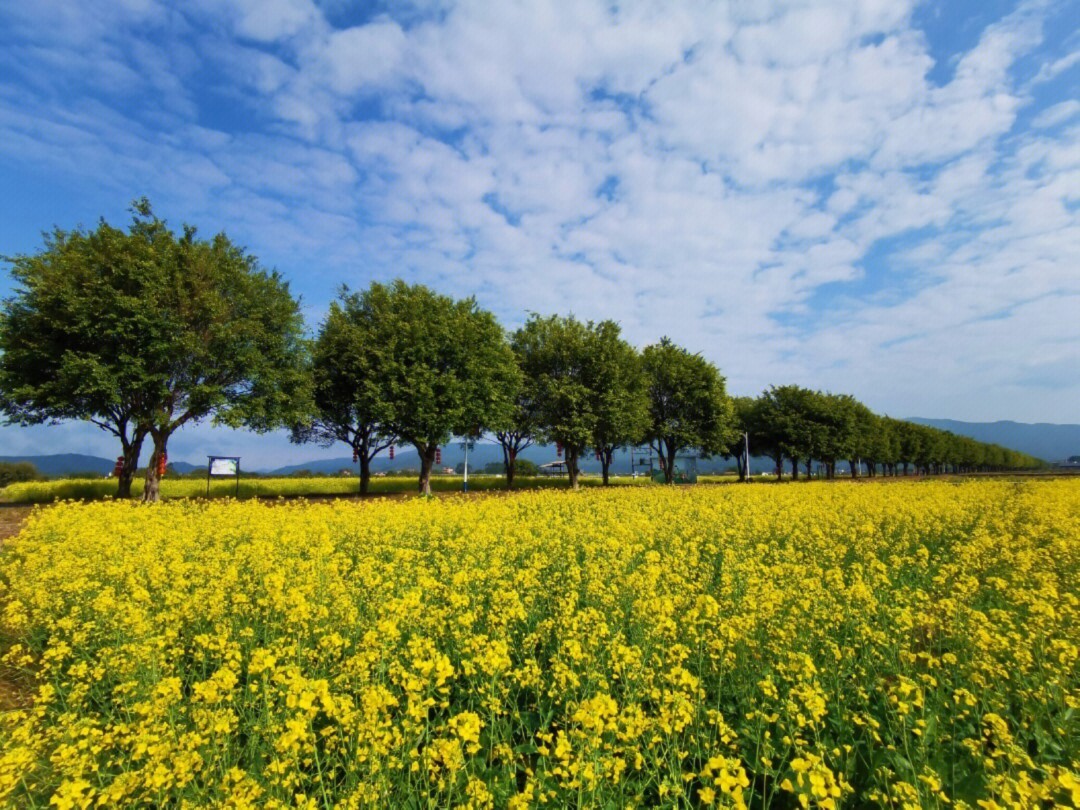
x=427, y=460
x=571, y=467
x=132, y=450
x=510, y=463
x=853, y=465
x=152, y=490
x=779, y=459
x=794, y=469
x=808, y=463
x=669, y=462
x=365, y=471
x=741, y=460
x=606, y=457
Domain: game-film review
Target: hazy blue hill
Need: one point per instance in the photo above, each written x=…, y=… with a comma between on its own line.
x=1042, y=440
x=66, y=463
x=184, y=468
x=70, y=463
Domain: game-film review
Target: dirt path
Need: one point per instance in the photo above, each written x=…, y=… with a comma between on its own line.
x=11, y=520
x=13, y=695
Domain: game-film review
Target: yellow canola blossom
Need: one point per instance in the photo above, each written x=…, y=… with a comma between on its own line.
x=910, y=644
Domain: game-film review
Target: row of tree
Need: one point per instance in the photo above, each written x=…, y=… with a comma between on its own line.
x=401, y=364
x=799, y=426
x=144, y=331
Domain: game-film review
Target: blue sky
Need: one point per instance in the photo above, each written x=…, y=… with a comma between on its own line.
x=880, y=198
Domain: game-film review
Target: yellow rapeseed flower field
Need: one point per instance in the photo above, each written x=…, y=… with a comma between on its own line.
x=901, y=644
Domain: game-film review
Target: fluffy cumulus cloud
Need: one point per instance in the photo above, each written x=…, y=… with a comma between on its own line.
x=876, y=197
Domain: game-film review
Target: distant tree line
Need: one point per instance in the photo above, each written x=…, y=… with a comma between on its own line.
x=797, y=427
x=144, y=331
x=13, y=472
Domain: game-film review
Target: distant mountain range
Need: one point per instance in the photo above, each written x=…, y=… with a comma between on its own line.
x=1045, y=441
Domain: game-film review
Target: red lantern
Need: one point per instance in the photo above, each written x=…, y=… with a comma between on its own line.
x=438, y=455
x=161, y=463
x=558, y=450
x=391, y=452
x=118, y=470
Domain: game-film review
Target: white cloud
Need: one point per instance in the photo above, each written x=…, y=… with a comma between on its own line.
x=1058, y=114
x=268, y=20
x=1052, y=70
x=364, y=56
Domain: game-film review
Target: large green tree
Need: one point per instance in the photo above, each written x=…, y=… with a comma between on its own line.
x=557, y=359
x=618, y=389
x=832, y=418
x=769, y=434
x=446, y=366
x=911, y=438
x=766, y=434
x=349, y=367
x=688, y=405
x=143, y=331
x=862, y=425
x=744, y=423
x=522, y=429
x=796, y=416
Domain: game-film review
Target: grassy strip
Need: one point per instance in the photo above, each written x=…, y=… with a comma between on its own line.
x=97, y=489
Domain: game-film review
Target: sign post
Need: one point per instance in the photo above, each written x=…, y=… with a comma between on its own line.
x=223, y=467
